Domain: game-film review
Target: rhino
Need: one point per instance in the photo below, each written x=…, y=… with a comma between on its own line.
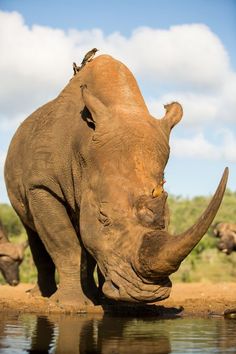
x=82, y=173
x=226, y=232
x=11, y=256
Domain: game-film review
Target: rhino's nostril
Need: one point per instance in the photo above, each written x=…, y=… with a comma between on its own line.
x=114, y=286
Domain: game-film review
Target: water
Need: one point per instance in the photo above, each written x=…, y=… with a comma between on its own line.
x=28, y=333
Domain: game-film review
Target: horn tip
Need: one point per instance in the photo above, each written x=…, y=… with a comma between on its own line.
x=225, y=175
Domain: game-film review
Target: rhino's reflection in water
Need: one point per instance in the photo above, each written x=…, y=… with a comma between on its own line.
x=110, y=335
x=82, y=334
x=43, y=336
x=106, y=335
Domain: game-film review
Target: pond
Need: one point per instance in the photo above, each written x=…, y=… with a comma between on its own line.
x=29, y=333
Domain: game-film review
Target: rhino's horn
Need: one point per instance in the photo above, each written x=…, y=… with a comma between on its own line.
x=161, y=254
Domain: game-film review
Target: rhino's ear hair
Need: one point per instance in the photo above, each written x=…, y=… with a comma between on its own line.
x=174, y=113
x=95, y=107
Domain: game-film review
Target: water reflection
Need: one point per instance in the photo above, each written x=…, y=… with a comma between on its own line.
x=111, y=335
x=43, y=336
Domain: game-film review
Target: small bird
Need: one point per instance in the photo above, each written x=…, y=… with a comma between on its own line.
x=89, y=56
x=159, y=189
x=75, y=68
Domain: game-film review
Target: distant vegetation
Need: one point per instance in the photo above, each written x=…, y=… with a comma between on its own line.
x=10, y=220
x=205, y=263
x=184, y=212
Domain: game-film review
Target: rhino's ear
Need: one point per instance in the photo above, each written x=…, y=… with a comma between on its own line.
x=174, y=113
x=21, y=248
x=97, y=110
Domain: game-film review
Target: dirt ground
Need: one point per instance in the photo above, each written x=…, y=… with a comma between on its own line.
x=187, y=299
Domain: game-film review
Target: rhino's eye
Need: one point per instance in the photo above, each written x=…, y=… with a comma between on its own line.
x=104, y=219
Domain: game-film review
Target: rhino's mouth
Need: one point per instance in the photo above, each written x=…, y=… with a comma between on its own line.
x=14, y=282
x=122, y=288
x=225, y=250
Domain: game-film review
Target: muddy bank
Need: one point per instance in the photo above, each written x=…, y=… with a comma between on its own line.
x=192, y=299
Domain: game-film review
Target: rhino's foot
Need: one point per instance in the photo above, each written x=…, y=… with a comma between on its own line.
x=71, y=299
x=45, y=291
x=35, y=291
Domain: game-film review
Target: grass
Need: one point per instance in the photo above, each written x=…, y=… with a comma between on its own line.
x=211, y=265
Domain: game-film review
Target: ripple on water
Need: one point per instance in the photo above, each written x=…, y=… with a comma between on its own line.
x=28, y=333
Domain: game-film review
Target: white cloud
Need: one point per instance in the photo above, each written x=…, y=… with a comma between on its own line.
x=2, y=159
x=7, y=125
x=185, y=54
x=198, y=108
x=228, y=98
x=3, y=193
x=228, y=146
x=187, y=63
x=35, y=63
x=2, y=162
x=202, y=108
x=199, y=147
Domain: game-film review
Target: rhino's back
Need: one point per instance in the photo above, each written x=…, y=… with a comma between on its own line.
x=41, y=152
x=110, y=81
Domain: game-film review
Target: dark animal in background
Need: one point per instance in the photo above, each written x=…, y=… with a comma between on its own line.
x=82, y=172
x=11, y=256
x=226, y=232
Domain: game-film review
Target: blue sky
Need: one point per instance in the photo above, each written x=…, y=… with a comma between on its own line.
x=177, y=49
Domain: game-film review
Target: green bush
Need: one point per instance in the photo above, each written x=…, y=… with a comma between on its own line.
x=184, y=212
x=10, y=220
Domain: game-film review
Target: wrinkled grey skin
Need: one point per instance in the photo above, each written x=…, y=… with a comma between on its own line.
x=11, y=256
x=82, y=172
x=226, y=232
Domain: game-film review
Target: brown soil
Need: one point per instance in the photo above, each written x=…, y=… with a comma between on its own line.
x=192, y=299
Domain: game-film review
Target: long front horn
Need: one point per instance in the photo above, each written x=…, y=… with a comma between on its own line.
x=161, y=254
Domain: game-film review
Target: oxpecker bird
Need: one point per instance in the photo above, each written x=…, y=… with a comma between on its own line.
x=159, y=189
x=89, y=56
x=75, y=68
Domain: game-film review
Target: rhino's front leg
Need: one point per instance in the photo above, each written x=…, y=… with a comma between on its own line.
x=61, y=242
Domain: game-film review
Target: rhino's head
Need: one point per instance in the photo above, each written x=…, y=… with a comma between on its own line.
x=226, y=233
x=124, y=217
x=11, y=256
